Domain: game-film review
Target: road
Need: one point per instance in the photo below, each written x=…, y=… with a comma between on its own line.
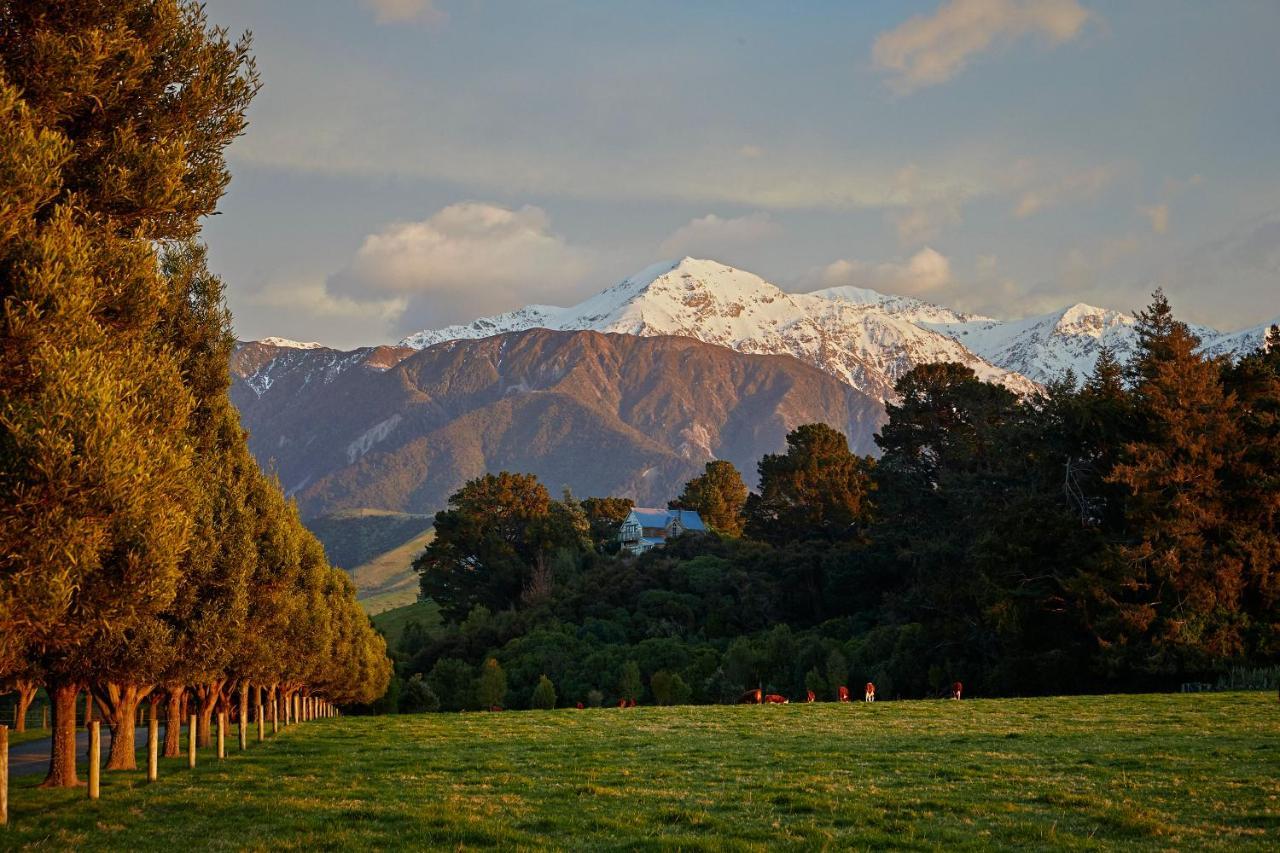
x=33, y=756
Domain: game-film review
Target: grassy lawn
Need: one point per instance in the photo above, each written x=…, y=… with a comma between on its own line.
x=1149, y=772
x=392, y=622
x=30, y=734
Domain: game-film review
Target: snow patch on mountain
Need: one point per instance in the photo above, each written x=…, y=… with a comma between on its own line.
x=868, y=341
x=285, y=343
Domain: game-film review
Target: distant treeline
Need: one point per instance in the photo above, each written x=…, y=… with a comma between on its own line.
x=1117, y=531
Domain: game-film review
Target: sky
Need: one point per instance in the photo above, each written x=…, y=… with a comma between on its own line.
x=415, y=163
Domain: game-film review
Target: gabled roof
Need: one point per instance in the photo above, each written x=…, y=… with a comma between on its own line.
x=650, y=516
x=689, y=519
x=656, y=517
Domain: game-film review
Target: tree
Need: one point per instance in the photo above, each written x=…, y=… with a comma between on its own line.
x=718, y=495
x=604, y=516
x=485, y=544
x=817, y=489
x=544, y=695
x=629, y=684
x=117, y=138
x=491, y=688
x=669, y=688
x=1182, y=591
x=451, y=680
x=418, y=697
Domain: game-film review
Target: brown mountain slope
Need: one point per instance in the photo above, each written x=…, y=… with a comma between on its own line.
x=599, y=413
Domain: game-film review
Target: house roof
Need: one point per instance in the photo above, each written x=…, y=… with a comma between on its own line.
x=655, y=517
x=651, y=517
x=690, y=519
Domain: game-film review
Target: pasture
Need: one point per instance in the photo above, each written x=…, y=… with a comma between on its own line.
x=1133, y=772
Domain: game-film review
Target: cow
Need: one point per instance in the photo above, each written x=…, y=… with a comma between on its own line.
x=956, y=690
x=776, y=699
x=810, y=697
x=631, y=703
x=869, y=693
x=622, y=703
x=842, y=693
x=751, y=697
x=580, y=706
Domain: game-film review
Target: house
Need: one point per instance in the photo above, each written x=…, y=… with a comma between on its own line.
x=646, y=527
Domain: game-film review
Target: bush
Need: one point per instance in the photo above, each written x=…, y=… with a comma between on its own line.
x=491, y=687
x=417, y=696
x=629, y=685
x=451, y=680
x=595, y=698
x=544, y=695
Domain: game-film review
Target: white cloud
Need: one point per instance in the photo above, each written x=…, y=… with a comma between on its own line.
x=467, y=259
x=1158, y=214
x=713, y=235
x=932, y=49
x=924, y=273
x=405, y=11
x=302, y=307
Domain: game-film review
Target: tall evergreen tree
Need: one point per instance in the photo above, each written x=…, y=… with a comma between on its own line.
x=718, y=495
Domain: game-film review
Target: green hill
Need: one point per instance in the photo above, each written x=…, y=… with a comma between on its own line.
x=353, y=537
x=392, y=622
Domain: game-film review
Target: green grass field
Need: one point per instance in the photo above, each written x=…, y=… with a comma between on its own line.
x=1148, y=772
x=388, y=580
x=392, y=622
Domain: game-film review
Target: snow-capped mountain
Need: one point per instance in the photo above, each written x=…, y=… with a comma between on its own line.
x=865, y=339
x=1045, y=347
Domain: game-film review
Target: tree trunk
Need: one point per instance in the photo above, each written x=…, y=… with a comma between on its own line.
x=242, y=728
x=173, y=723
x=119, y=706
x=207, y=701
x=62, y=754
x=26, y=695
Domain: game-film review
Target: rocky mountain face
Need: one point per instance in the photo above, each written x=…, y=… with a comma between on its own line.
x=398, y=428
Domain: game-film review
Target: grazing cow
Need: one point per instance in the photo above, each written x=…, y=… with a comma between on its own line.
x=751, y=697
x=775, y=699
x=869, y=694
x=810, y=697
x=956, y=690
x=495, y=708
x=622, y=703
x=579, y=706
x=631, y=703
x=842, y=693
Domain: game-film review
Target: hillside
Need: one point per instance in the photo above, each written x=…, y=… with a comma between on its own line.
x=354, y=537
x=400, y=430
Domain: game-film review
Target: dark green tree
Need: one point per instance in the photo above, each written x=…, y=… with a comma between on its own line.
x=718, y=495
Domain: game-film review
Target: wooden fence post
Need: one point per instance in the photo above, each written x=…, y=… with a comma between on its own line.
x=275, y=707
x=95, y=758
x=222, y=735
x=153, y=742
x=191, y=742
x=243, y=721
x=4, y=775
x=260, y=724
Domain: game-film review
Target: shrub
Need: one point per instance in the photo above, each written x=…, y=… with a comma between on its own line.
x=595, y=698
x=491, y=687
x=417, y=696
x=544, y=695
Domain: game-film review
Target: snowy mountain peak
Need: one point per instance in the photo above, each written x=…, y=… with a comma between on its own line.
x=916, y=310
x=867, y=344
x=285, y=343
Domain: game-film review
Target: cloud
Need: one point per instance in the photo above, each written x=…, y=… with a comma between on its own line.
x=928, y=50
x=466, y=260
x=1078, y=186
x=302, y=307
x=1159, y=216
x=712, y=235
x=406, y=11
x=924, y=273
x=750, y=152
x=925, y=206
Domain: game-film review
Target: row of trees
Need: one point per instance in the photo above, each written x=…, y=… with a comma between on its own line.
x=1116, y=531
x=141, y=548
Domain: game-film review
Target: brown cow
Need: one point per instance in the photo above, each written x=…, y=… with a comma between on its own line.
x=631, y=703
x=622, y=703
x=751, y=697
x=956, y=690
x=842, y=693
x=869, y=695
x=775, y=699
x=810, y=697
